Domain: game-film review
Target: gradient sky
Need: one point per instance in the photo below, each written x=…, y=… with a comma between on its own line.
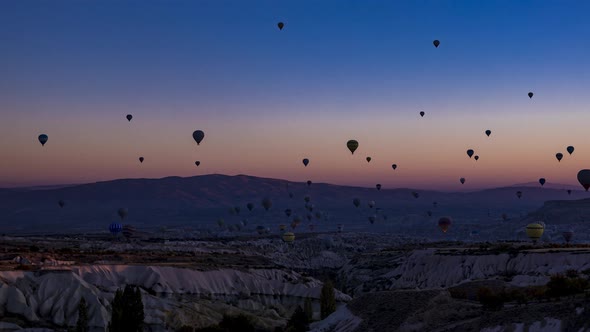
x=266, y=98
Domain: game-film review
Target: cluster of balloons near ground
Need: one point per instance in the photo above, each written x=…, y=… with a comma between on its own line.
x=533, y=230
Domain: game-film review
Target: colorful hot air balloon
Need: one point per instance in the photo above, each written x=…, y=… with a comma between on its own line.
x=129, y=117
x=289, y=237
x=305, y=162
x=368, y=159
x=422, y=113
x=61, y=203
x=542, y=181
x=584, y=178
x=198, y=136
x=141, y=159
x=122, y=212
x=519, y=194
x=266, y=203
x=559, y=156
x=476, y=158
x=488, y=132
x=530, y=95
x=197, y=163
x=436, y=43
x=281, y=25
x=470, y=153
x=128, y=231
x=570, y=149
x=444, y=223
x=394, y=166
x=534, y=231
x=43, y=139
x=352, y=145
x=378, y=186
x=462, y=180
x=115, y=228
x=282, y=227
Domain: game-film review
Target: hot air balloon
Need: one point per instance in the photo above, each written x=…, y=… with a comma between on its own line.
x=568, y=235
x=128, y=231
x=530, y=95
x=122, y=212
x=371, y=204
x=282, y=227
x=281, y=25
x=476, y=158
x=43, y=139
x=61, y=203
x=352, y=145
x=429, y=213
x=356, y=202
x=534, y=231
x=422, y=113
x=584, y=178
x=436, y=43
x=415, y=194
x=368, y=159
x=488, y=132
x=444, y=223
x=289, y=237
x=141, y=159
x=129, y=117
x=570, y=149
x=291, y=195
x=470, y=153
x=462, y=180
x=308, y=183
x=115, y=228
x=542, y=181
x=305, y=162
x=435, y=204
x=197, y=163
x=394, y=166
x=266, y=203
x=372, y=219
x=260, y=229
x=339, y=227
x=250, y=206
x=504, y=216
x=288, y=212
x=559, y=156
x=378, y=186
x=237, y=209
x=198, y=136
x=569, y=191
x=519, y=194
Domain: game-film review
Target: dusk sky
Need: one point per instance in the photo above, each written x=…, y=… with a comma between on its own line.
x=266, y=98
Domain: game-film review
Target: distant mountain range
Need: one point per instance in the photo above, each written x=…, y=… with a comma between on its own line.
x=201, y=200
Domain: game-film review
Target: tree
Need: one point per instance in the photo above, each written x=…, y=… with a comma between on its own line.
x=239, y=323
x=308, y=309
x=490, y=300
x=327, y=299
x=298, y=321
x=127, y=313
x=82, y=323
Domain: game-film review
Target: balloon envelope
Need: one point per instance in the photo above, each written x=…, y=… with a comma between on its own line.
x=129, y=117
x=352, y=145
x=122, y=212
x=570, y=149
x=197, y=163
x=394, y=166
x=488, y=132
x=436, y=42
x=422, y=113
x=542, y=181
x=584, y=178
x=444, y=223
x=198, y=136
x=530, y=95
x=470, y=153
x=559, y=156
x=305, y=162
x=281, y=25
x=43, y=139
x=534, y=231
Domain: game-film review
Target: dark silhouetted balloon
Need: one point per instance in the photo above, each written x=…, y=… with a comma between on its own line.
x=542, y=181
x=570, y=149
x=307, y=199
x=305, y=162
x=559, y=156
x=198, y=136
x=462, y=180
x=308, y=183
x=352, y=145
x=266, y=203
x=584, y=178
x=61, y=203
x=372, y=219
x=488, y=132
x=291, y=195
x=197, y=163
x=128, y=231
x=281, y=25
x=141, y=159
x=371, y=204
x=122, y=213
x=422, y=113
x=569, y=191
x=356, y=202
x=415, y=194
x=530, y=95
x=288, y=212
x=519, y=194
x=129, y=117
x=429, y=213
x=444, y=223
x=378, y=186
x=43, y=139
x=436, y=43
x=394, y=166
x=476, y=158
x=470, y=153
x=250, y=206
x=368, y=159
